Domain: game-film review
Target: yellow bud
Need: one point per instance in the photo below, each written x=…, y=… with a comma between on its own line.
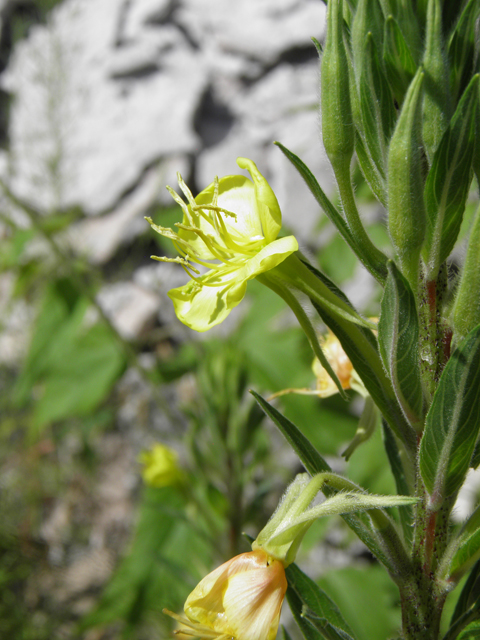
x=160, y=467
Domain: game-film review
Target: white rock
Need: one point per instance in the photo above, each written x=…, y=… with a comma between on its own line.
x=130, y=307
x=259, y=30
x=80, y=134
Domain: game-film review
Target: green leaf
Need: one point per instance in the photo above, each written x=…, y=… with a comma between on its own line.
x=76, y=383
x=436, y=102
x=375, y=179
x=376, y=107
x=453, y=421
x=399, y=62
x=332, y=213
x=461, y=49
x=309, y=456
x=448, y=181
x=315, y=613
x=401, y=482
x=398, y=340
x=313, y=462
x=472, y=632
x=469, y=594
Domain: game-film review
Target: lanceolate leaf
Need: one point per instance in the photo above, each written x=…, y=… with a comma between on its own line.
x=398, y=341
x=453, y=421
x=332, y=213
x=461, y=48
x=398, y=59
x=449, y=180
x=466, y=555
x=376, y=105
x=316, y=614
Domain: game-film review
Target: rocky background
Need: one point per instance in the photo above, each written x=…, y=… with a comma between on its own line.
x=102, y=102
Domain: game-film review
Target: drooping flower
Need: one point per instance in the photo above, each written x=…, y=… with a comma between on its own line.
x=240, y=600
x=160, y=466
x=230, y=230
x=341, y=365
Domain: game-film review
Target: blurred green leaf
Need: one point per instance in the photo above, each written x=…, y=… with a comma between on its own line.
x=337, y=260
x=157, y=572
x=367, y=598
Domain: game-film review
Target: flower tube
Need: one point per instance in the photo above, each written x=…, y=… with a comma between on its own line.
x=230, y=231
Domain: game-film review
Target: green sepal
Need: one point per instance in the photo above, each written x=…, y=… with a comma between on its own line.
x=436, y=101
x=315, y=613
x=399, y=62
x=453, y=422
x=337, y=127
x=463, y=49
x=466, y=311
x=406, y=210
x=374, y=178
x=398, y=341
x=448, y=181
x=369, y=259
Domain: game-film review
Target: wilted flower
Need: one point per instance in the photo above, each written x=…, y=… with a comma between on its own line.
x=230, y=229
x=340, y=364
x=160, y=466
x=240, y=600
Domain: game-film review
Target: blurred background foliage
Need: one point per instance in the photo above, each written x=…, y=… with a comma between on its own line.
x=70, y=431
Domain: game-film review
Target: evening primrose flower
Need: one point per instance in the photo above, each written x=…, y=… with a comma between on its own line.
x=240, y=600
x=230, y=231
x=160, y=466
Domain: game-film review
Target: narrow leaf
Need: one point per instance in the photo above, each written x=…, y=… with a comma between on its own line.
x=453, y=421
x=364, y=256
x=316, y=614
x=448, y=181
x=461, y=49
x=313, y=462
x=398, y=471
x=399, y=62
x=398, y=340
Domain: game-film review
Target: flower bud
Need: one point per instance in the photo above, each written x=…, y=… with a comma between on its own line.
x=160, y=466
x=337, y=122
x=406, y=208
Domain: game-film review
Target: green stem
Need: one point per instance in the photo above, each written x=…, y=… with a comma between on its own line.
x=377, y=261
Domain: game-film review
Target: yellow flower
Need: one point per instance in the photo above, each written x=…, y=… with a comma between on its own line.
x=240, y=600
x=160, y=467
x=230, y=231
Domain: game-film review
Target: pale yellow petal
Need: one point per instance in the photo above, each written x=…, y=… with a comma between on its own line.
x=267, y=204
